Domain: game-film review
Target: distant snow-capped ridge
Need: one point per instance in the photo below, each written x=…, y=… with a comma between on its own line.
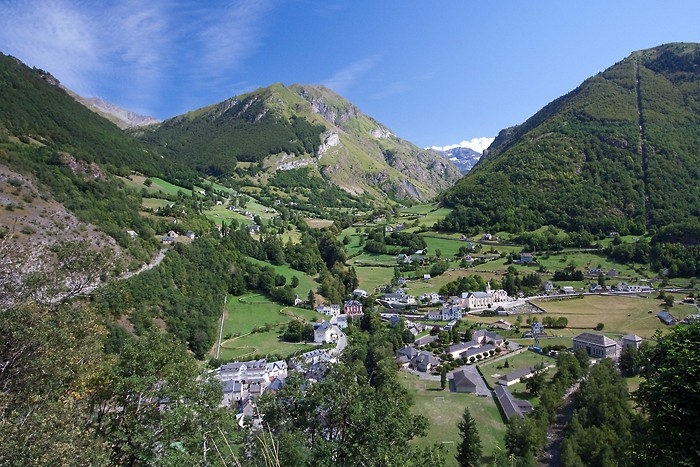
x=466, y=154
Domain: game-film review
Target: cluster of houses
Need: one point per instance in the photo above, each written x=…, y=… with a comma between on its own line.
x=172, y=235
x=455, y=306
x=482, y=345
x=329, y=331
x=244, y=382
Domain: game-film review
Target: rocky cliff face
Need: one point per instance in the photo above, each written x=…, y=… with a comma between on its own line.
x=368, y=155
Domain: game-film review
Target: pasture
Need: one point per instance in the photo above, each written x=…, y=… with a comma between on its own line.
x=426, y=214
x=493, y=370
x=444, y=410
x=253, y=325
x=448, y=246
x=136, y=182
x=371, y=277
x=620, y=314
x=306, y=282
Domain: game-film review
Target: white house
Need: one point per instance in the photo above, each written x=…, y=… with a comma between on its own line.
x=360, y=293
x=325, y=332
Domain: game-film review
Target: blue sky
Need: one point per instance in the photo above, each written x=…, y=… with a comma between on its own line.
x=435, y=73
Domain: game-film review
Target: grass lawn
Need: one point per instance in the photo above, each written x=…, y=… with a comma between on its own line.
x=583, y=260
x=261, y=343
x=448, y=245
x=620, y=315
x=249, y=312
x=428, y=214
x=371, y=277
x=492, y=372
x=154, y=203
x=317, y=223
x=373, y=259
x=306, y=282
x=633, y=383
x=444, y=410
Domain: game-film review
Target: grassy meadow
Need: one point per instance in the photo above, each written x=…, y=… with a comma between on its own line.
x=253, y=325
x=306, y=282
x=444, y=410
x=492, y=370
x=620, y=314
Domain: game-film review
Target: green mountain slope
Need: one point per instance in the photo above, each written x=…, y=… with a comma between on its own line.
x=619, y=153
x=54, y=148
x=282, y=128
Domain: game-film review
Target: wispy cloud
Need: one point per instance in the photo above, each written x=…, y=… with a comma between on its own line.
x=343, y=79
x=133, y=48
x=476, y=144
x=52, y=35
x=392, y=89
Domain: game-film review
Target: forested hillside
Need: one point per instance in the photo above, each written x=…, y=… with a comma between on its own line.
x=619, y=153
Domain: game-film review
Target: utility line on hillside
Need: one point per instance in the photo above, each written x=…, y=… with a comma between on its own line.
x=642, y=146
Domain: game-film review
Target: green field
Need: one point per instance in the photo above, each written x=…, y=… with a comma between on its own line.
x=253, y=312
x=154, y=203
x=371, y=277
x=306, y=282
x=584, y=260
x=620, y=315
x=495, y=369
x=448, y=246
x=159, y=185
x=428, y=214
x=444, y=410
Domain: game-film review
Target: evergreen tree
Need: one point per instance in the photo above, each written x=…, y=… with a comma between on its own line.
x=469, y=449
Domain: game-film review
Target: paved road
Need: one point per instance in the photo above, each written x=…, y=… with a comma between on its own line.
x=341, y=343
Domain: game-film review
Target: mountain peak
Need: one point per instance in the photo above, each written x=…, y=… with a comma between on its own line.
x=284, y=127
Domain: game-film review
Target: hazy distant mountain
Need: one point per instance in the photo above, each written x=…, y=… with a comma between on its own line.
x=121, y=117
x=463, y=158
x=619, y=153
x=289, y=127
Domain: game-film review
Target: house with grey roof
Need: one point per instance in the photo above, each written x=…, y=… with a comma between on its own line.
x=596, y=345
x=425, y=340
x=511, y=406
x=666, y=318
x=425, y=361
x=516, y=376
x=483, y=351
x=631, y=340
x=406, y=354
x=325, y=332
x=462, y=382
x=485, y=337
x=456, y=350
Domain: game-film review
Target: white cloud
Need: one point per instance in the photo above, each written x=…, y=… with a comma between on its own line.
x=342, y=80
x=476, y=144
x=134, y=49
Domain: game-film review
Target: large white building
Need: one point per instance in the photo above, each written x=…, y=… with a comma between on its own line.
x=241, y=380
x=596, y=345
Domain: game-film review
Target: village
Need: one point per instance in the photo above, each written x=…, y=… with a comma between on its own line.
x=438, y=352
